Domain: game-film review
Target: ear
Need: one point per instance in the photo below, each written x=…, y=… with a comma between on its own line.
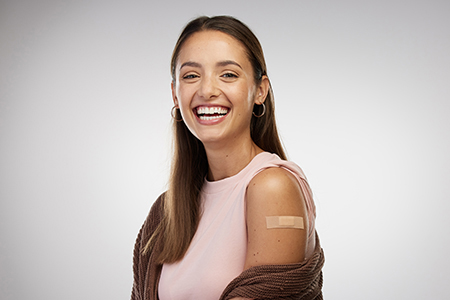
x=174, y=96
x=262, y=90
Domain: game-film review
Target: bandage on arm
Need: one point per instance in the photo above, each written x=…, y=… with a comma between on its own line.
x=285, y=222
x=275, y=193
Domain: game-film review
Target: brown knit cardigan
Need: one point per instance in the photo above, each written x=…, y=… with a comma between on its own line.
x=301, y=281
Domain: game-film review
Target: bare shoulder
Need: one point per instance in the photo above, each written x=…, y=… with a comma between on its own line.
x=275, y=192
x=277, y=189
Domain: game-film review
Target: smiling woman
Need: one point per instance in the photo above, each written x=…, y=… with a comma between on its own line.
x=226, y=216
x=214, y=74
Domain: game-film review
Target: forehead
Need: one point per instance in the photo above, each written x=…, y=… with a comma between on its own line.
x=212, y=44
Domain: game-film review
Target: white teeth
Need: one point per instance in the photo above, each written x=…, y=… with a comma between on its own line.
x=204, y=110
x=210, y=117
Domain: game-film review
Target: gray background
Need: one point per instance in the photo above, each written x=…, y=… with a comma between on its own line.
x=362, y=92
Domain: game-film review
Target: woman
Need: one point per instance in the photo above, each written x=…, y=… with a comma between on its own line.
x=237, y=220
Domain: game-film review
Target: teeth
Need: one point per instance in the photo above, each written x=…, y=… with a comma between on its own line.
x=210, y=117
x=204, y=110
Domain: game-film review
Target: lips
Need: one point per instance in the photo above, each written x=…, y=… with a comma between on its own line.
x=211, y=112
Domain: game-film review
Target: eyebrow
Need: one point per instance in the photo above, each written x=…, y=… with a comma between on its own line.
x=228, y=62
x=190, y=64
x=219, y=64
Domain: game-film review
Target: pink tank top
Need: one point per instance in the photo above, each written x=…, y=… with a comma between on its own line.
x=217, y=251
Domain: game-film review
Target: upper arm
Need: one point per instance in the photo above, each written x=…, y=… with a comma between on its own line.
x=275, y=192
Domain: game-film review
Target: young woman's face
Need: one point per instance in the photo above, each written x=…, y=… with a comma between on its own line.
x=215, y=88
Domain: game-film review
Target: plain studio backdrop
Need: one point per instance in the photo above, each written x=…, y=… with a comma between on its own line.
x=362, y=91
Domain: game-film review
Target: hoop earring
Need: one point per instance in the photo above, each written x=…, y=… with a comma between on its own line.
x=262, y=114
x=172, y=113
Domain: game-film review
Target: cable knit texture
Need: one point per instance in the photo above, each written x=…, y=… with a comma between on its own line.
x=302, y=281
x=293, y=281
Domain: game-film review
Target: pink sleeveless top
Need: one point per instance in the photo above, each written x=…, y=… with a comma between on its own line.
x=217, y=251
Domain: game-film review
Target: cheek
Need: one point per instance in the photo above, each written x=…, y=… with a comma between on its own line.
x=183, y=95
x=244, y=92
x=251, y=94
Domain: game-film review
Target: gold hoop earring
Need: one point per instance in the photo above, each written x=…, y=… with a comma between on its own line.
x=262, y=114
x=173, y=114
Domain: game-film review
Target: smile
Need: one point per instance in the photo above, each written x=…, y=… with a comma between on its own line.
x=211, y=112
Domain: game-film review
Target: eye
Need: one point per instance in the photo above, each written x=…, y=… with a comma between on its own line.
x=190, y=76
x=229, y=75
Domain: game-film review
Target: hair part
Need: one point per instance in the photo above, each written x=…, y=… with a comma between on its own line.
x=189, y=166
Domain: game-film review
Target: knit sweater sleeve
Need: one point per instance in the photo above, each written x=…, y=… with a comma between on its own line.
x=141, y=261
x=135, y=292
x=301, y=281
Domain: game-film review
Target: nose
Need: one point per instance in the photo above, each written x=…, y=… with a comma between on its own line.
x=208, y=88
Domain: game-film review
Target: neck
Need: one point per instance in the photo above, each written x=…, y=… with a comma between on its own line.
x=229, y=160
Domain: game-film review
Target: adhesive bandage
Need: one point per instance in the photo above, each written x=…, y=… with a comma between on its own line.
x=284, y=222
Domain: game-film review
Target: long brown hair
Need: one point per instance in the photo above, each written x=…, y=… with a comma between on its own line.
x=190, y=165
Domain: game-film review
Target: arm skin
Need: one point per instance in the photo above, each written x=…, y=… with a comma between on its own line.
x=274, y=192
